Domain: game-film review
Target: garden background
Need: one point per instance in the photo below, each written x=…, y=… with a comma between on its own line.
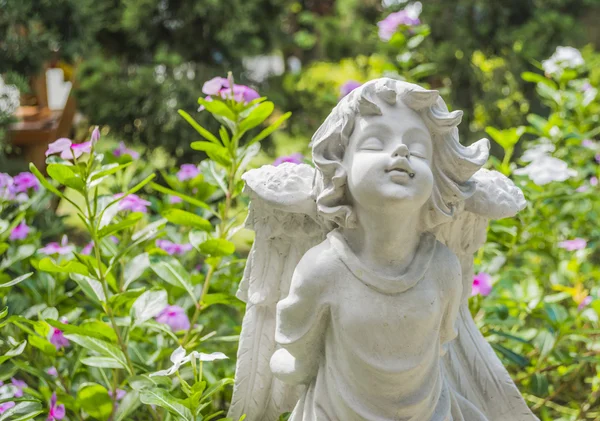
x=121, y=255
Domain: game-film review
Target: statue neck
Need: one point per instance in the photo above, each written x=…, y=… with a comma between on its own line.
x=385, y=241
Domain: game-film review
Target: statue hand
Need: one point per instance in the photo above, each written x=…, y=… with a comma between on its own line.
x=290, y=370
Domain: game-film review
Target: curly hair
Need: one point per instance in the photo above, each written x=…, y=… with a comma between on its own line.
x=452, y=165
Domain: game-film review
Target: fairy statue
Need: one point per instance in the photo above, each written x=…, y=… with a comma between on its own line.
x=358, y=280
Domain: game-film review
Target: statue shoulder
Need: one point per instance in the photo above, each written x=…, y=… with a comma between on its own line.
x=446, y=264
x=319, y=266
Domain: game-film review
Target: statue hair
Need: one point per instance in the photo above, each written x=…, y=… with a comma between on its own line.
x=452, y=164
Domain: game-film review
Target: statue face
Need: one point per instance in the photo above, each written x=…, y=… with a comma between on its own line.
x=388, y=159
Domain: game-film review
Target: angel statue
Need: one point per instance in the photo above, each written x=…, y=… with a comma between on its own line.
x=358, y=280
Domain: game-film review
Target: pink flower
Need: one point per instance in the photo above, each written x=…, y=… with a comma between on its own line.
x=594, y=181
x=87, y=249
x=586, y=87
x=213, y=86
x=68, y=149
x=124, y=150
x=6, y=405
x=20, y=232
x=120, y=394
x=55, y=248
x=20, y=385
x=187, y=171
x=295, y=158
x=348, y=87
x=58, y=339
x=57, y=412
x=582, y=189
x=25, y=181
x=572, y=245
x=584, y=303
x=597, y=158
x=52, y=371
x=482, y=284
x=175, y=317
x=409, y=17
x=175, y=199
x=133, y=203
x=173, y=248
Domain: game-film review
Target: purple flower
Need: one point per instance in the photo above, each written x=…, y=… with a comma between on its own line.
x=572, y=245
x=482, y=284
x=175, y=317
x=120, y=394
x=586, y=87
x=55, y=248
x=68, y=149
x=133, y=203
x=173, y=248
x=56, y=412
x=175, y=199
x=348, y=87
x=597, y=158
x=409, y=17
x=52, y=371
x=582, y=189
x=20, y=232
x=58, y=339
x=25, y=181
x=6, y=405
x=95, y=135
x=221, y=86
x=588, y=143
x=124, y=150
x=19, y=385
x=594, y=181
x=584, y=303
x=295, y=158
x=187, y=171
x=87, y=249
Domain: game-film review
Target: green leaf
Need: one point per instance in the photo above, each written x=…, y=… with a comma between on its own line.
x=13, y=352
x=217, y=247
x=16, y=280
x=42, y=344
x=94, y=400
x=538, y=78
x=95, y=329
x=186, y=198
x=544, y=341
x=22, y=411
x=134, y=268
x=3, y=313
x=48, y=265
x=101, y=347
x=539, y=384
x=217, y=153
x=217, y=298
x=21, y=253
x=218, y=107
x=127, y=405
x=162, y=398
x=520, y=360
x=129, y=221
x=187, y=219
x=108, y=170
x=172, y=272
x=101, y=362
x=506, y=138
x=90, y=287
x=266, y=132
x=43, y=181
x=66, y=176
x=256, y=117
x=148, y=305
x=201, y=130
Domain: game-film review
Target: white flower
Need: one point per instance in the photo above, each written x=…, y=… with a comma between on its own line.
x=9, y=98
x=546, y=169
x=178, y=358
x=563, y=58
x=539, y=150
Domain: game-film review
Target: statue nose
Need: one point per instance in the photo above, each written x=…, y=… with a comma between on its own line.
x=401, y=150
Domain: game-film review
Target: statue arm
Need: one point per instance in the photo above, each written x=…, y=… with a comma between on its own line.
x=452, y=291
x=301, y=322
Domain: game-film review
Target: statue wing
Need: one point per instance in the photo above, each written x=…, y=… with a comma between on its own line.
x=470, y=364
x=283, y=214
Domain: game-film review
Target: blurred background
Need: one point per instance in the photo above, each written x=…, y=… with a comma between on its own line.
x=128, y=65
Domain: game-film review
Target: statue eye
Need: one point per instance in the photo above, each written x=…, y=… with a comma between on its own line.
x=372, y=144
x=418, y=150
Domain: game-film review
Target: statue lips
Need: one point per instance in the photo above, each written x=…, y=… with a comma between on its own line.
x=400, y=171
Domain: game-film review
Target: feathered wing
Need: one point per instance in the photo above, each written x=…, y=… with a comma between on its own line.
x=471, y=366
x=284, y=218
